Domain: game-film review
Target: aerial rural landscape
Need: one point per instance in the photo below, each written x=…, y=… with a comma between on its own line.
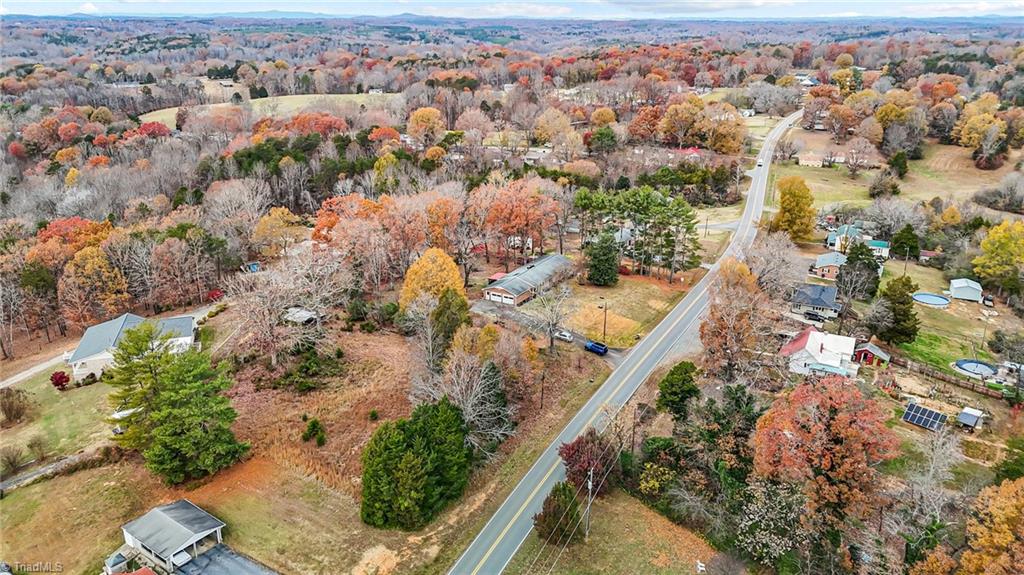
x=601, y=287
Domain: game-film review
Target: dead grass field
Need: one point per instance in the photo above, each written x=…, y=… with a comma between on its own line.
x=945, y=172
x=291, y=505
x=626, y=538
x=635, y=305
x=276, y=105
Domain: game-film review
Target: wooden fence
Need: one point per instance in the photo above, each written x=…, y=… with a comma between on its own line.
x=926, y=370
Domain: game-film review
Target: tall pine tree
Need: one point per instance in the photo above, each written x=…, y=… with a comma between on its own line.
x=899, y=294
x=603, y=258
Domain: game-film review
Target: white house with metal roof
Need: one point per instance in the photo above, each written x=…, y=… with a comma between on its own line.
x=966, y=289
x=94, y=353
x=521, y=284
x=172, y=535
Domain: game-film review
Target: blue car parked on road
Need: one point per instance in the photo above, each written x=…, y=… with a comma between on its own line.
x=596, y=347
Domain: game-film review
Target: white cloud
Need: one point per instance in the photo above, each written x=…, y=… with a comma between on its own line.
x=88, y=8
x=976, y=8
x=497, y=10
x=685, y=6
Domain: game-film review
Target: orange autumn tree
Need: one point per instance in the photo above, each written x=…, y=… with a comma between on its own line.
x=828, y=438
x=425, y=125
x=521, y=212
x=91, y=289
x=729, y=331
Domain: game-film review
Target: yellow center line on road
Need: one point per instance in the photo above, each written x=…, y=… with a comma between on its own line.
x=536, y=488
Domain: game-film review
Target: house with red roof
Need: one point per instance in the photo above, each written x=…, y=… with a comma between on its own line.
x=813, y=352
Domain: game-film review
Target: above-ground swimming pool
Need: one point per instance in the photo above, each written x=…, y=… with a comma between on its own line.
x=975, y=368
x=931, y=299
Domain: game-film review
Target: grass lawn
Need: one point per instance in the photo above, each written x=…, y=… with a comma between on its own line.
x=68, y=421
x=626, y=537
x=949, y=172
x=717, y=94
x=280, y=106
x=635, y=305
x=828, y=185
x=759, y=126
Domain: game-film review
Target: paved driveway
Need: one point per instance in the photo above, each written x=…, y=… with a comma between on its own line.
x=221, y=560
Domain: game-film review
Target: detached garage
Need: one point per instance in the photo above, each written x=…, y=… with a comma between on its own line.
x=521, y=284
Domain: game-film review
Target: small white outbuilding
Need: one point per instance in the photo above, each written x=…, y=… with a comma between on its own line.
x=965, y=289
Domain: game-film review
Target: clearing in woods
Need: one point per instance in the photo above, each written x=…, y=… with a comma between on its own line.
x=278, y=106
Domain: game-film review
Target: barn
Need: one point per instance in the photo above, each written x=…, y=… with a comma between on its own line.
x=870, y=354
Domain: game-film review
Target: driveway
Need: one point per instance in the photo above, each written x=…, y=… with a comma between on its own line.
x=221, y=560
x=59, y=359
x=505, y=313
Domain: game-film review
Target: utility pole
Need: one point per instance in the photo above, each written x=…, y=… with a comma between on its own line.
x=590, y=499
x=906, y=259
x=604, y=330
x=542, y=374
x=707, y=221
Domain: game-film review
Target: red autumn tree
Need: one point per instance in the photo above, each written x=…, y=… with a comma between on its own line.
x=60, y=380
x=590, y=451
x=828, y=437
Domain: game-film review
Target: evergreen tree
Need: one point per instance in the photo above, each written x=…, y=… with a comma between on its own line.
x=191, y=434
x=796, y=208
x=559, y=517
x=861, y=260
x=603, y=256
x=140, y=372
x=899, y=293
x=414, y=467
x=1012, y=466
x=451, y=313
x=898, y=164
x=682, y=241
x=905, y=243
x=677, y=389
x=602, y=140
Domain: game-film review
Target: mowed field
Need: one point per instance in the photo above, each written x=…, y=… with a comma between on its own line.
x=277, y=105
x=945, y=172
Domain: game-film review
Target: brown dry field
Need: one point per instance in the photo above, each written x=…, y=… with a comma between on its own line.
x=291, y=505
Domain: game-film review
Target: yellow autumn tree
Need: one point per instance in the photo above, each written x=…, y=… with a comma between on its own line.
x=995, y=532
x=602, y=117
x=796, y=208
x=432, y=273
x=550, y=124
x=277, y=230
x=71, y=178
x=1002, y=256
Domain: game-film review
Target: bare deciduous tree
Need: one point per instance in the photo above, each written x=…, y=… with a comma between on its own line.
x=858, y=155
x=774, y=260
x=551, y=310
x=475, y=387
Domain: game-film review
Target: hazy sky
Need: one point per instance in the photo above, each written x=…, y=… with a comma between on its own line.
x=537, y=8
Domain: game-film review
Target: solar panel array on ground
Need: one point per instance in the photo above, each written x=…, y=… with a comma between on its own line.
x=923, y=417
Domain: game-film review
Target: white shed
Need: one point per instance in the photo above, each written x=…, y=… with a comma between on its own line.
x=966, y=289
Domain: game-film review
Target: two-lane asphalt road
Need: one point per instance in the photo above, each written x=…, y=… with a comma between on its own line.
x=499, y=540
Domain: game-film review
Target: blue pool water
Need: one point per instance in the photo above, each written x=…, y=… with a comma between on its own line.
x=931, y=299
x=976, y=368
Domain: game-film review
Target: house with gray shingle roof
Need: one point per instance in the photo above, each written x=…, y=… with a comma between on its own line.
x=94, y=353
x=815, y=298
x=521, y=284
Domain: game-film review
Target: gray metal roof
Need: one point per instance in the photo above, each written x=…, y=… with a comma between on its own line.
x=970, y=417
x=964, y=282
x=105, y=336
x=169, y=528
x=830, y=259
x=815, y=296
x=532, y=275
